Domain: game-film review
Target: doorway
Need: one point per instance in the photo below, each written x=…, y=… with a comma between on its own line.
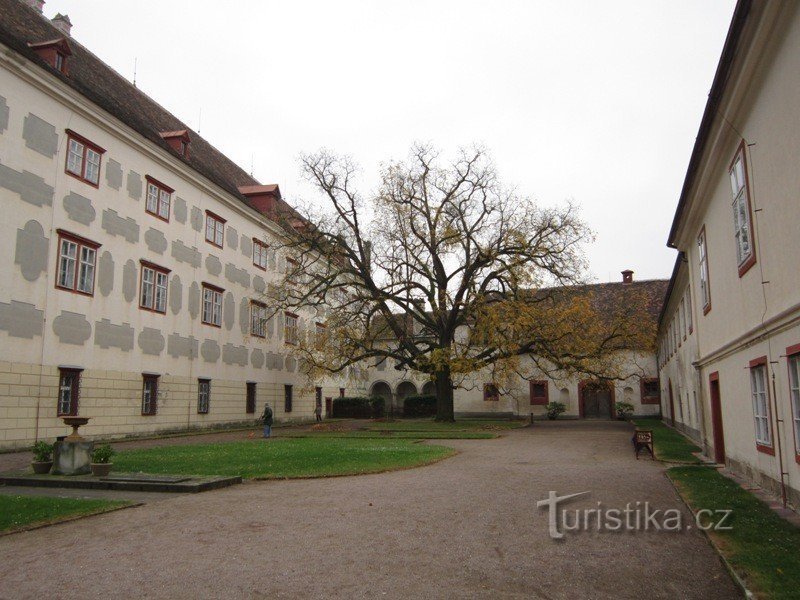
x=597, y=400
x=716, y=418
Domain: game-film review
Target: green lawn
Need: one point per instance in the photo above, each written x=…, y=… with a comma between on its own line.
x=21, y=511
x=382, y=434
x=762, y=547
x=670, y=445
x=460, y=425
x=282, y=457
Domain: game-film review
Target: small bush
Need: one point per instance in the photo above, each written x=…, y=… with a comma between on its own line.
x=42, y=451
x=419, y=406
x=102, y=454
x=554, y=409
x=624, y=410
x=358, y=407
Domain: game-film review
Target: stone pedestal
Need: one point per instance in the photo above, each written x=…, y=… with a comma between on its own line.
x=72, y=457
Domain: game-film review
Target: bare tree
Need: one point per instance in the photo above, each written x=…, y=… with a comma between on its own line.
x=443, y=270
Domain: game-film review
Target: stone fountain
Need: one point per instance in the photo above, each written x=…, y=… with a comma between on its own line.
x=72, y=455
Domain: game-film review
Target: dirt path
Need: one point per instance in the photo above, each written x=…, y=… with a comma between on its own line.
x=465, y=527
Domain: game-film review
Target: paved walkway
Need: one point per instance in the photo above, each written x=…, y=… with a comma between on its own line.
x=465, y=527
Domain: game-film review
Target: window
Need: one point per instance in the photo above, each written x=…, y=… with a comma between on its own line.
x=259, y=254
x=287, y=398
x=651, y=391
x=69, y=388
x=291, y=271
x=490, y=392
x=290, y=328
x=683, y=318
x=341, y=392
x=60, y=59
x=793, y=354
x=741, y=212
x=215, y=229
x=212, y=305
x=705, y=289
x=689, y=310
x=319, y=335
x=538, y=393
x=203, y=396
x=77, y=257
x=258, y=319
x=83, y=158
x=760, y=396
x=250, y=402
x=149, y=394
x=153, y=289
x=159, y=197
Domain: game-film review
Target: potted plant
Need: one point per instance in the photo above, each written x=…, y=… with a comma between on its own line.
x=42, y=457
x=101, y=460
x=554, y=409
x=624, y=410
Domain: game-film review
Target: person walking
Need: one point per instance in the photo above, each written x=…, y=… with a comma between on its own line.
x=318, y=413
x=267, y=418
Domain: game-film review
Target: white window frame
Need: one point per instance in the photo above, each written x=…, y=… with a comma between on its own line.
x=793, y=361
x=77, y=262
x=212, y=306
x=158, y=200
x=154, y=289
x=258, y=319
x=705, y=289
x=260, y=254
x=290, y=328
x=215, y=229
x=760, y=397
x=742, y=228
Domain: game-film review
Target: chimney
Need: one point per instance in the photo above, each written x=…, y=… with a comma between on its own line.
x=35, y=4
x=627, y=276
x=61, y=22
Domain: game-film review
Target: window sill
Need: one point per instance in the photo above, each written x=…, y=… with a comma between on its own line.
x=765, y=449
x=747, y=265
x=707, y=309
x=83, y=179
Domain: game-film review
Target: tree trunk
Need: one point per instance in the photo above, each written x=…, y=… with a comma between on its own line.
x=444, y=396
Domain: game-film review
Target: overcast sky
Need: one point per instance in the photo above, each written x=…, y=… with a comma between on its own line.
x=598, y=102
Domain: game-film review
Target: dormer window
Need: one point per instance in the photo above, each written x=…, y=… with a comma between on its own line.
x=177, y=140
x=53, y=52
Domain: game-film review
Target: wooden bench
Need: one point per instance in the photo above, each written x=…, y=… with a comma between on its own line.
x=643, y=440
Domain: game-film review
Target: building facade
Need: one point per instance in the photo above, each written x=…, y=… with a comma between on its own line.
x=136, y=258
x=736, y=229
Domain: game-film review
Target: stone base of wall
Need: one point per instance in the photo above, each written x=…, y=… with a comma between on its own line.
x=690, y=432
x=764, y=481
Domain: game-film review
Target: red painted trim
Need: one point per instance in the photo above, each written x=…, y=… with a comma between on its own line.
x=262, y=305
x=256, y=243
x=75, y=392
x=215, y=217
x=154, y=398
x=216, y=288
x=766, y=449
x=649, y=399
x=581, y=388
x=795, y=349
x=81, y=241
x=702, y=233
x=750, y=260
x=791, y=351
x=163, y=187
x=539, y=400
x=85, y=141
x=87, y=145
x=157, y=183
x=213, y=288
x=757, y=362
x=146, y=264
x=761, y=360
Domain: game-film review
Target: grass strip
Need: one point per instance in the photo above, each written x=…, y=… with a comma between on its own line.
x=23, y=512
x=282, y=457
x=761, y=547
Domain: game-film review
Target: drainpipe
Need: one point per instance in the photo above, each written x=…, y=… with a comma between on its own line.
x=778, y=422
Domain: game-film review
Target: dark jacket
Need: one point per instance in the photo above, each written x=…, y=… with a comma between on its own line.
x=267, y=416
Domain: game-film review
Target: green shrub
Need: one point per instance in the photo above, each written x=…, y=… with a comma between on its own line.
x=624, y=410
x=419, y=406
x=42, y=451
x=554, y=409
x=358, y=407
x=102, y=454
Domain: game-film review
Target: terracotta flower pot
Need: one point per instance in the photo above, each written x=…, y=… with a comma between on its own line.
x=42, y=468
x=101, y=469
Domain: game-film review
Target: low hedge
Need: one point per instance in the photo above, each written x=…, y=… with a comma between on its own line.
x=419, y=406
x=358, y=407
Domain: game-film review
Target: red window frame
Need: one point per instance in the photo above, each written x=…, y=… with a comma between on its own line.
x=291, y=265
x=81, y=243
x=75, y=391
x=250, y=398
x=153, y=408
x=793, y=352
x=87, y=145
x=216, y=289
x=161, y=188
x=256, y=245
x=536, y=398
x=750, y=260
x=704, y=259
x=762, y=361
x=215, y=218
x=289, y=315
x=253, y=304
x=490, y=392
x=145, y=264
x=649, y=399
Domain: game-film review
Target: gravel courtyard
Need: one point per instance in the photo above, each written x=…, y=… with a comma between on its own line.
x=465, y=527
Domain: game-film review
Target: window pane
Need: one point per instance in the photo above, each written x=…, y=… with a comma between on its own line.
x=220, y=230
x=92, y=166
x=152, y=198
x=161, y=292
x=163, y=210
x=209, y=229
x=86, y=277
x=66, y=270
x=75, y=158
x=147, y=288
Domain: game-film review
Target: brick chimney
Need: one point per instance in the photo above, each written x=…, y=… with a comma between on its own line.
x=627, y=276
x=35, y=4
x=62, y=23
